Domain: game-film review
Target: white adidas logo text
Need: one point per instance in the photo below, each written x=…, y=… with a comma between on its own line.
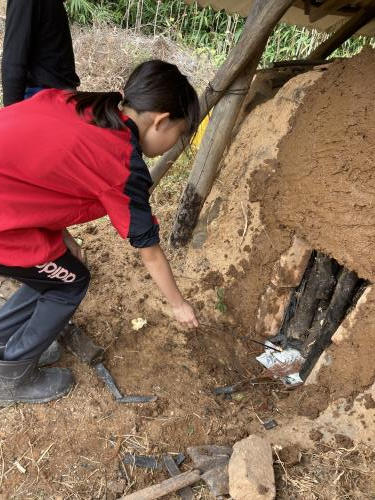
x=54, y=271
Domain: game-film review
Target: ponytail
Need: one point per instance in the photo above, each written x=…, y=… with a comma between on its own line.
x=104, y=108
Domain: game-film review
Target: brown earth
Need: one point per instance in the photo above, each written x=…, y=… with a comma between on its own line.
x=324, y=190
x=72, y=448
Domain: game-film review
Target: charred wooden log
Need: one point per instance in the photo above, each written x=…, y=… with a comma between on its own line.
x=341, y=300
x=316, y=288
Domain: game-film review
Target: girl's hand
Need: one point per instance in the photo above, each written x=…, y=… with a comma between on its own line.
x=160, y=270
x=185, y=315
x=73, y=246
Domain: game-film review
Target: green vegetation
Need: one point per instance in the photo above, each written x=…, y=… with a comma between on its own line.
x=202, y=28
x=220, y=304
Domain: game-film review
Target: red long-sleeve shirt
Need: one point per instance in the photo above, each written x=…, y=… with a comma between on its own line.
x=57, y=170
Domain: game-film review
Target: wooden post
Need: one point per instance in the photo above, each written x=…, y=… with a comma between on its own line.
x=346, y=31
x=207, y=162
x=166, y=487
x=263, y=16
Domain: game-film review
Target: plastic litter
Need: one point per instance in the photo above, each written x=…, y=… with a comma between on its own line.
x=284, y=365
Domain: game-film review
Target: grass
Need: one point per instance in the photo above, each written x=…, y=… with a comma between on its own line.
x=106, y=55
x=203, y=29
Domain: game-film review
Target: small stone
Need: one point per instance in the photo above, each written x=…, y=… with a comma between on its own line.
x=343, y=441
x=251, y=474
x=239, y=397
x=290, y=455
x=315, y=435
x=91, y=229
x=105, y=257
x=7, y=288
x=116, y=487
x=138, y=323
x=217, y=480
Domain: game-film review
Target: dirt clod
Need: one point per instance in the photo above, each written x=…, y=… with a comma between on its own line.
x=212, y=280
x=290, y=455
x=369, y=402
x=315, y=435
x=343, y=441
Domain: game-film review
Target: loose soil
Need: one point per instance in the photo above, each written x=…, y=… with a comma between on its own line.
x=279, y=175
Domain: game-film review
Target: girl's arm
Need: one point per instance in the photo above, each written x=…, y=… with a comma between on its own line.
x=158, y=266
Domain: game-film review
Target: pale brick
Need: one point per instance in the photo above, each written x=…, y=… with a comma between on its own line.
x=324, y=360
x=289, y=270
x=271, y=310
x=344, y=331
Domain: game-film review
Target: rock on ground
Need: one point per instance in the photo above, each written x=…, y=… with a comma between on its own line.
x=251, y=475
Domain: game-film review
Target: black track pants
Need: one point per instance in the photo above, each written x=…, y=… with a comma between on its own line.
x=35, y=315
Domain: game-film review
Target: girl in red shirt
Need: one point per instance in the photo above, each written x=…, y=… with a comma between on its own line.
x=68, y=158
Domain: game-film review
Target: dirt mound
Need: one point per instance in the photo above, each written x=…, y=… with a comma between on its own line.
x=324, y=190
x=324, y=187
x=302, y=163
x=238, y=241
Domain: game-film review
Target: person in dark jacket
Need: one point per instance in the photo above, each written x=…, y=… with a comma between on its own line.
x=81, y=158
x=37, y=51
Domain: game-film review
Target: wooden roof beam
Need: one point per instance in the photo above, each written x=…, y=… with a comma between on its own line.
x=355, y=23
x=328, y=7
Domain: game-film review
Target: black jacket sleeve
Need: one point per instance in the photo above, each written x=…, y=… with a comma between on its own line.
x=17, y=49
x=131, y=214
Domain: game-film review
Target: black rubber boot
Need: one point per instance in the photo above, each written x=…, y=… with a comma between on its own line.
x=49, y=357
x=23, y=382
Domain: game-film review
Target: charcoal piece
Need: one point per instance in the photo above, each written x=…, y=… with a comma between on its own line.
x=107, y=378
x=207, y=457
x=173, y=470
x=270, y=424
x=81, y=346
x=227, y=389
x=143, y=461
x=137, y=399
x=179, y=459
x=217, y=479
x=316, y=326
x=290, y=311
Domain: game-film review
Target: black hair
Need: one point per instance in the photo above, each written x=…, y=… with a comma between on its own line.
x=153, y=86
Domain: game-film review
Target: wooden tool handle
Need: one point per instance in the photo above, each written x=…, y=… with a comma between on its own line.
x=168, y=486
